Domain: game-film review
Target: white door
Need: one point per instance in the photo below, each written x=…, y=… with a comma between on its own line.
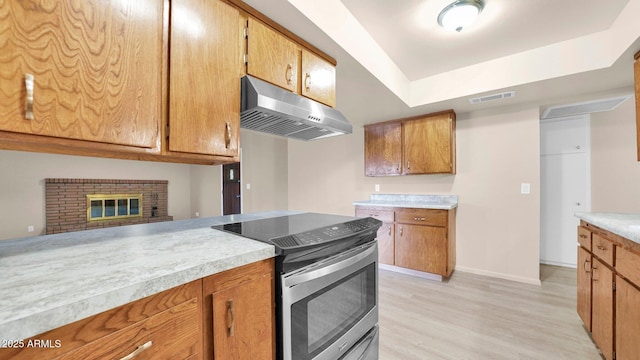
x=565, y=186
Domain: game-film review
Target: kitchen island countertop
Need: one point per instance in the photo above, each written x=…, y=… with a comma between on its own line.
x=445, y=202
x=53, y=280
x=626, y=225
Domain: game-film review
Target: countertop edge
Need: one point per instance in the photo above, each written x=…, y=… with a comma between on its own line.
x=47, y=320
x=621, y=224
x=416, y=205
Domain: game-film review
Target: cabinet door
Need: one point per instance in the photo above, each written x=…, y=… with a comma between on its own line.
x=627, y=320
x=428, y=145
x=422, y=248
x=96, y=66
x=318, y=79
x=205, y=61
x=383, y=150
x=584, y=287
x=386, y=244
x=602, y=308
x=242, y=321
x=271, y=56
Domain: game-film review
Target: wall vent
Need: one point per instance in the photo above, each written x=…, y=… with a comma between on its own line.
x=500, y=96
x=586, y=107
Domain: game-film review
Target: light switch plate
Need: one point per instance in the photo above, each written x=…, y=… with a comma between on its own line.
x=525, y=188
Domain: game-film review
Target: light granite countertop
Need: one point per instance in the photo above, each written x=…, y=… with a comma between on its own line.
x=445, y=202
x=623, y=224
x=52, y=280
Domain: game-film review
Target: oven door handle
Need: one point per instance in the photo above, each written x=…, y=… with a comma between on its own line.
x=334, y=267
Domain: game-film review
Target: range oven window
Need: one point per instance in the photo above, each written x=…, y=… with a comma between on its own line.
x=318, y=320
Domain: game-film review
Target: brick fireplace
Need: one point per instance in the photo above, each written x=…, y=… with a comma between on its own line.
x=67, y=204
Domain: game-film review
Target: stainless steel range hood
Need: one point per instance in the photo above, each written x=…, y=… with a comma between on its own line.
x=270, y=109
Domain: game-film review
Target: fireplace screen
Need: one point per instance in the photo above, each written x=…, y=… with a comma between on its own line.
x=106, y=207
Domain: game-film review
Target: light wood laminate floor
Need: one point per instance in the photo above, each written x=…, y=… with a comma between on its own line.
x=478, y=317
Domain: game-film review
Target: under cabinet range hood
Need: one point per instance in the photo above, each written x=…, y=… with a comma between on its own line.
x=270, y=109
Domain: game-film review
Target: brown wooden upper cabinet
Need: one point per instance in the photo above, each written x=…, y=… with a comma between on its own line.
x=204, y=94
x=275, y=58
x=82, y=70
x=636, y=70
x=417, y=145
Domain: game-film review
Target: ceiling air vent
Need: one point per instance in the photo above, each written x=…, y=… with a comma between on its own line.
x=504, y=95
x=586, y=107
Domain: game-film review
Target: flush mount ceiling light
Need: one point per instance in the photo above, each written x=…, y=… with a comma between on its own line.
x=460, y=14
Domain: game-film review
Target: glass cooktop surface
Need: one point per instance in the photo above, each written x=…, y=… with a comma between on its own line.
x=266, y=229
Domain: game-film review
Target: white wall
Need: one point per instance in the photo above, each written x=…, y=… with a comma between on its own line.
x=497, y=228
x=615, y=170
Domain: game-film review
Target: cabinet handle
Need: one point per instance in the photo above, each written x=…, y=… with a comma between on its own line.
x=289, y=74
x=593, y=272
x=583, y=236
x=137, y=351
x=600, y=247
x=28, y=82
x=401, y=230
x=408, y=165
x=398, y=168
x=232, y=322
x=584, y=266
x=389, y=230
x=228, y=138
x=307, y=81
x=418, y=218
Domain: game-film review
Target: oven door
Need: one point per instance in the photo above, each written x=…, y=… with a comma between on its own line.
x=330, y=305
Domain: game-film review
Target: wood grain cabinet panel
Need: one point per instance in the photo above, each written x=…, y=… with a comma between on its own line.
x=272, y=57
x=602, y=308
x=584, y=287
x=603, y=248
x=432, y=217
x=627, y=320
x=628, y=265
x=318, y=80
x=584, y=237
x=96, y=66
x=386, y=233
x=205, y=71
x=383, y=149
x=428, y=145
x=421, y=248
x=240, y=313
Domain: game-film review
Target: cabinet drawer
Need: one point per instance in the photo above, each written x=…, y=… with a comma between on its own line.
x=603, y=248
x=429, y=217
x=628, y=265
x=387, y=216
x=171, y=334
x=584, y=237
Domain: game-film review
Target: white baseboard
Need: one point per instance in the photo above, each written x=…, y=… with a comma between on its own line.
x=521, y=279
x=546, y=262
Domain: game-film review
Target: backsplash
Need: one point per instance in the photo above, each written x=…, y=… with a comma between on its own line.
x=66, y=202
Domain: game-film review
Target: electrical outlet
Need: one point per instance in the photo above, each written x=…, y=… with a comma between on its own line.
x=30, y=228
x=248, y=186
x=197, y=214
x=377, y=187
x=525, y=188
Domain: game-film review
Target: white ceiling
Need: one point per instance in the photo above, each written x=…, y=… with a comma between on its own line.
x=395, y=61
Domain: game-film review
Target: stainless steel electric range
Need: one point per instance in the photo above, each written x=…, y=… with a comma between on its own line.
x=326, y=284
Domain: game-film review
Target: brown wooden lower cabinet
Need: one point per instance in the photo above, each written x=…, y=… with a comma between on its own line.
x=608, y=299
x=229, y=315
x=602, y=308
x=627, y=320
x=415, y=238
x=167, y=325
x=239, y=313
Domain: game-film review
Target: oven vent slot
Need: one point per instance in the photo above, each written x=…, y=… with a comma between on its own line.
x=285, y=241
